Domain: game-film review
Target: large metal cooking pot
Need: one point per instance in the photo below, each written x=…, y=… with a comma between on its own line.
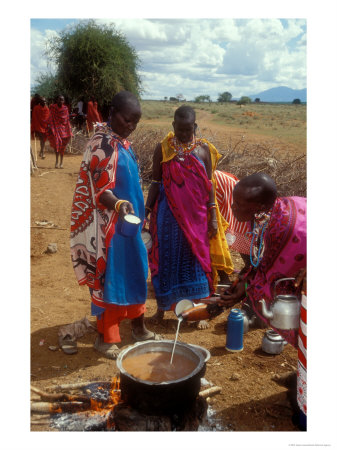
x=165, y=397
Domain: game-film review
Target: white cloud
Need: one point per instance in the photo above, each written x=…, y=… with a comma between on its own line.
x=39, y=62
x=208, y=56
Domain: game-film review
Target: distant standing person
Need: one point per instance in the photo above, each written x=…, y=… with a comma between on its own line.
x=80, y=113
x=59, y=132
x=39, y=123
x=34, y=101
x=93, y=115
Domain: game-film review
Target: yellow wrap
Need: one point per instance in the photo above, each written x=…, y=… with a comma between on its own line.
x=220, y=255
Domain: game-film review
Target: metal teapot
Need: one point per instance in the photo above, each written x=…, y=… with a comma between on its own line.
x=272, y=343
x=249, y=318
x=284, y=312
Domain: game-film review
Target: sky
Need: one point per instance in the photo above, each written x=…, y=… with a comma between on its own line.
x=199, y=56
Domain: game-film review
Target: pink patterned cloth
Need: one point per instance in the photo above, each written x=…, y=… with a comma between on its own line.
x=187, y=190
x=285, y=253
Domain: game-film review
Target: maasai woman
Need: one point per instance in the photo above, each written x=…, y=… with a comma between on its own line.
x=189, y=244
x=113, y=266
x=278, y=249
x=39, y=124
x=59, y=132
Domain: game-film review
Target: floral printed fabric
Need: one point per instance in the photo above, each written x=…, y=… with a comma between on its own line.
x=284, y=255
x=92, y=224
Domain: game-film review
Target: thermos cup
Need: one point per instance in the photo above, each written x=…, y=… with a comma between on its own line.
x=234, y=341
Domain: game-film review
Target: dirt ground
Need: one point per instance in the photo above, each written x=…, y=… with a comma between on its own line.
x=249, y=399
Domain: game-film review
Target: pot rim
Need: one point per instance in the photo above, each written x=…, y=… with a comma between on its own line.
x=192, y=348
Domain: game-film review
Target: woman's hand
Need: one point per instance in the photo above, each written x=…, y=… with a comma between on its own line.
x=124, y=209
x=212, y=223
x=233, y=295
x=301, y=280
x=212, y=228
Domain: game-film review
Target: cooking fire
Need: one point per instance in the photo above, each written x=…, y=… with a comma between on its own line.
x=99, y=407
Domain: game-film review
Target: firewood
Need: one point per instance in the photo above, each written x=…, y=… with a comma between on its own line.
x=60, y=397
x=40, y=422
x=57, y=407
x=74, y=386
x=210, y=392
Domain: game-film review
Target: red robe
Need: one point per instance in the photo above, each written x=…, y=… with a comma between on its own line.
x=40, y=119
x=92, y=115
x=59, y=132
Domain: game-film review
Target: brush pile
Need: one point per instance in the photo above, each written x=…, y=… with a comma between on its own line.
x=239, y=157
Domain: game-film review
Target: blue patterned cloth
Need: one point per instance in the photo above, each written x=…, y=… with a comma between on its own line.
x=180, y=275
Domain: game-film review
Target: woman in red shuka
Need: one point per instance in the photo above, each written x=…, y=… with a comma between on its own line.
x=39, y=123
x=59, y=132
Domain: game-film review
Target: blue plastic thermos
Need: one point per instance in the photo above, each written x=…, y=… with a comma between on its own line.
x=234, y=341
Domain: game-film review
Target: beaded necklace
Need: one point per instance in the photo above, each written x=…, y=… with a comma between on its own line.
x=180, y=149
x=257, y=247
x=128, y=151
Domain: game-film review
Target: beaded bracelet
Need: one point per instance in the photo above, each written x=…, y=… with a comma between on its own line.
x=118, y=204
x=155, y=181
x=210, y=203
x=212, y=207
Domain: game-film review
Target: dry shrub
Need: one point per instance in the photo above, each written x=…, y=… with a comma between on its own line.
x=243, y=158
x=144, y=141
x=240, y=158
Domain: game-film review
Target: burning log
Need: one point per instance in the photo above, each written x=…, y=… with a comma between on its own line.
x=210, y=392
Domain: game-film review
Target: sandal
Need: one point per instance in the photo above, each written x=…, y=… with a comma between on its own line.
x=68, y=345
x=151, y=336
x=110, y=351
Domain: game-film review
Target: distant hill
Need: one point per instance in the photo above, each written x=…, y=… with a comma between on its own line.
x=281, y=94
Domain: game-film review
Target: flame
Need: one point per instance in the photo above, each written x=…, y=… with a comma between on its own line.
x=92, y=407
x=104, y=408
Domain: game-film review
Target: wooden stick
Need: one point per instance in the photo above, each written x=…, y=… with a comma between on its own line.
x=210, y=392
x=60, y=397
x=57, y=407
x=35, y=148
x=79, y=385
x=44, y=173
x=48, y=228
x=40, y=422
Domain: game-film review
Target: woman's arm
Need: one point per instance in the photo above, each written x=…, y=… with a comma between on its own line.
x=212, y=220
x=156, y=179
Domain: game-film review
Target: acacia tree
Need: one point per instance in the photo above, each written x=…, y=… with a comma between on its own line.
x=47, y=85
x=202, y=99
x=224, y=97
x=94, y=60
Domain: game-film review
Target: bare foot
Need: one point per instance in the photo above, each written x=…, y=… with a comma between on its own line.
x=157, y=318
x=202, y=325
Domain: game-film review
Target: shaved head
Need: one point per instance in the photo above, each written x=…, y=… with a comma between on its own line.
x=259, y=188
x=123, y=100
x=185, y=112
x=253, y=194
